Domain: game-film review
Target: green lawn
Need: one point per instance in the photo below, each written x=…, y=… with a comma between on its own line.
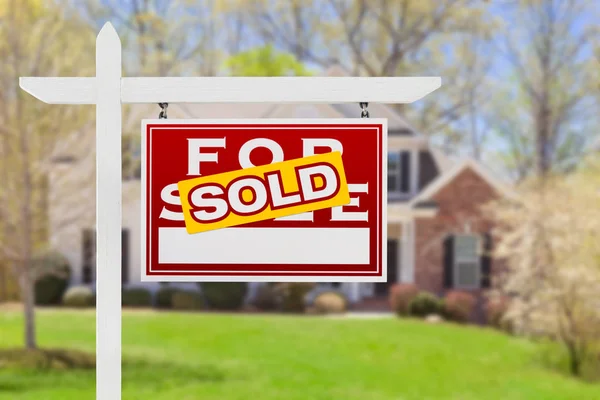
x=199, y=356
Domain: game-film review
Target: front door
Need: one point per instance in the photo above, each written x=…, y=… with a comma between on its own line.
x=382, y=289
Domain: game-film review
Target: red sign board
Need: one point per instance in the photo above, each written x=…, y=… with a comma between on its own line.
x=339, y=244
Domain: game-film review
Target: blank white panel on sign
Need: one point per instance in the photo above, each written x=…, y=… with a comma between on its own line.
x=264, y=246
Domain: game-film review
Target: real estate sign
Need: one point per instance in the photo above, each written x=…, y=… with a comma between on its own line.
x=264, y=200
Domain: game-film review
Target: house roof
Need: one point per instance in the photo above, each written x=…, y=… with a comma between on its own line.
x=424, y=198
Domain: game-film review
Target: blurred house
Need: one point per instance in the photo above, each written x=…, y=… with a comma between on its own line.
x=437, y=236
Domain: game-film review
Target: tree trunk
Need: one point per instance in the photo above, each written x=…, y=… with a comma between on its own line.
x=28, y=293
x=574, y=359
x=543, y=140
x=575, y=365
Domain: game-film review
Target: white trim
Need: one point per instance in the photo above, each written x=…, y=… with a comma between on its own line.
x=414, y=165
x=413, y=230
x=406, y=249
x=404, y=239
x=425, y=212
x=405, y=142
x=400, y=212
x=444, y=179
x=395, y=90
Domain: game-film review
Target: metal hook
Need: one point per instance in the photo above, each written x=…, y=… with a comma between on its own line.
x=163, y=111
x=364, y=113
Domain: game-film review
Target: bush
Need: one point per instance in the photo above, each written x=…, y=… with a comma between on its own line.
x=224, y=295
x=293, y=295
x=164, y=297
x=331, y=302
x=186, y=300
x=424, y=304
x=400, y=297
x=52, y=274
x=266, y=298
x=79, y=296
x=136, y=297
x=459, y=306
x=495, y=309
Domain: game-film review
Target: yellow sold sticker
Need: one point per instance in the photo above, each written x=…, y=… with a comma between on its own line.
x=264, y=192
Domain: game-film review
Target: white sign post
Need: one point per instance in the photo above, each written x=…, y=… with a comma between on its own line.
x=108, y=90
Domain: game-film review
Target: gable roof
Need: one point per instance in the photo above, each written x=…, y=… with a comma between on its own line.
x=445, y=178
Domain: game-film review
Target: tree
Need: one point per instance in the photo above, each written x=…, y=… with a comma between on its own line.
x=389, y=38
x=166, y=37
x=545, y=101
x=265, y=61
x=33, y=37
x=549, y=241
x=161, y=38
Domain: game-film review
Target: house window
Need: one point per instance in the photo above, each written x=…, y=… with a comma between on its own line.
x=467, y=259
x=399, y=173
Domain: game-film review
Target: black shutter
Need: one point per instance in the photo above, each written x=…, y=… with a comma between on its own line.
x=449, y=262
x=428, y=169
x=405, y=171
x=486, y=260
x=88, y=244
x=125, y=256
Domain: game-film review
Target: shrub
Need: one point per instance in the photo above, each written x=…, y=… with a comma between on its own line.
x=495, y=309
x=164, y=297
x=266, y=298
x=331, y=302
x=224, y=295
x=424, y=304
x=52, y=274
x=459, y=306
x=186, y=300
x=79, y=296
x=136, y=297
x=293, y=295
x=400, y=297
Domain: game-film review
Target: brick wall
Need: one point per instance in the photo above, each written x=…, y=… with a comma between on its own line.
x=459, y=204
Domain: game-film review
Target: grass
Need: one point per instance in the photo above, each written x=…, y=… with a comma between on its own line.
x=199, y=356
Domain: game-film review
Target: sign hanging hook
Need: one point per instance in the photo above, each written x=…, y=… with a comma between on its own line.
x=364, y=113
x=163, y=110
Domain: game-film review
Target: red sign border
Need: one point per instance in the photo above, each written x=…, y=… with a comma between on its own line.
x=379, y=275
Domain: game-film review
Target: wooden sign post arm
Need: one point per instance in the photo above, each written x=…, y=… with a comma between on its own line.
x=108, y=90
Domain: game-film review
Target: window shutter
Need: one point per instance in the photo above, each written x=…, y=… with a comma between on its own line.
x=125, y=256
x=486, y=260
x=88, y=244
x=449, y=262
x=405, y=172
